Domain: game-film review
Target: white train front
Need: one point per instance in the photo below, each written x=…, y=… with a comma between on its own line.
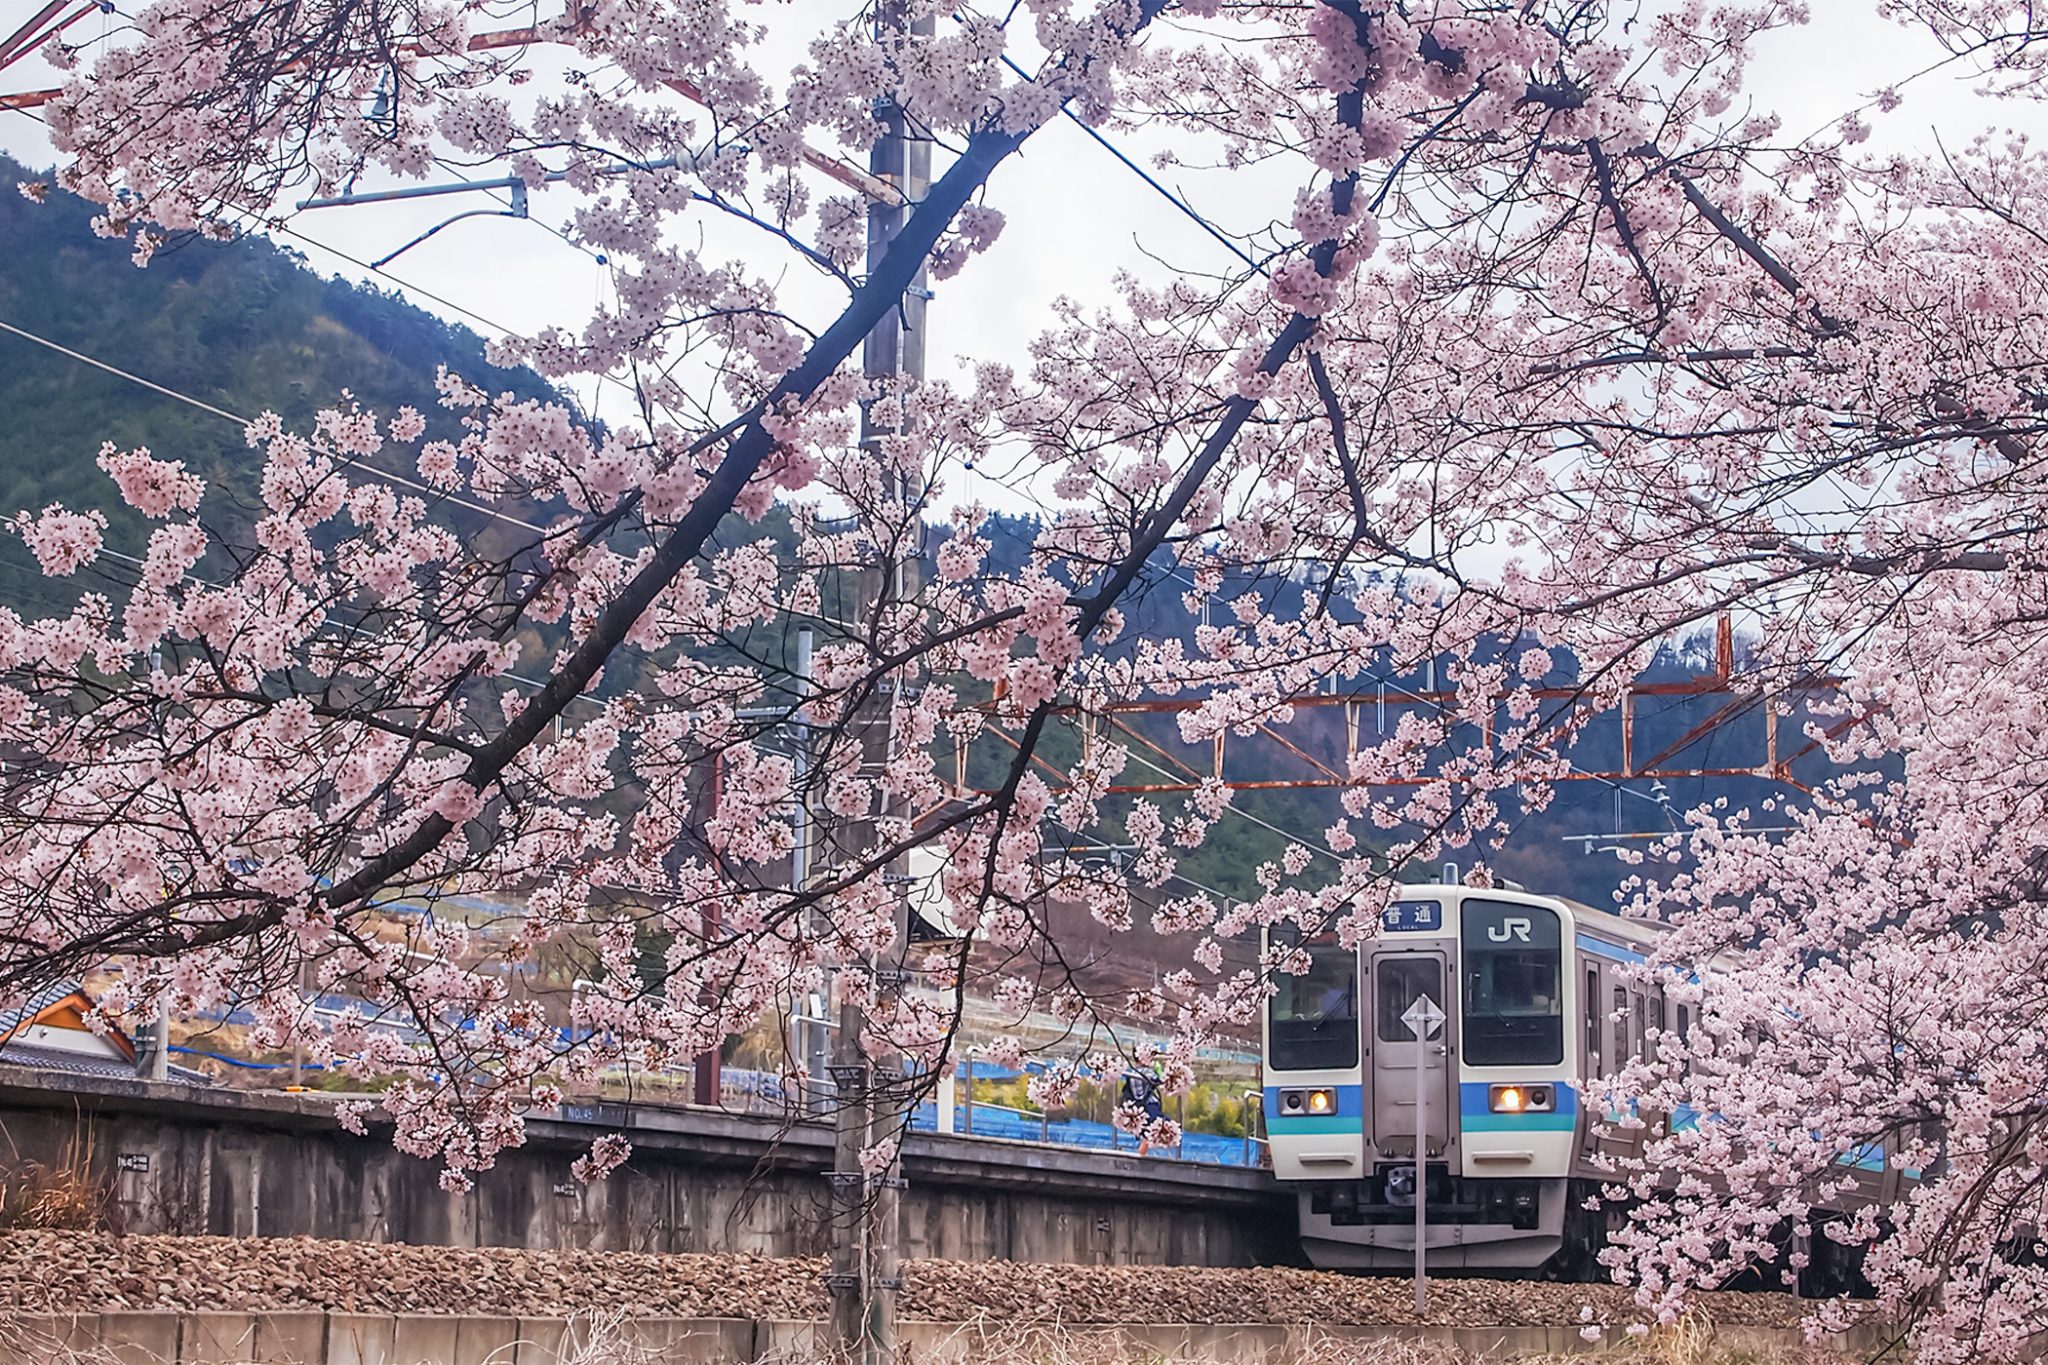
x=1534, y=999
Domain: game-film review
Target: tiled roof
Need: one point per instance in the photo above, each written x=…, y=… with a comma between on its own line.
x=80, y=1064
x=10, y=1020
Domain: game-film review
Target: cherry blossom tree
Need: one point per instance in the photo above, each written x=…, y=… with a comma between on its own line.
x=1557, y=345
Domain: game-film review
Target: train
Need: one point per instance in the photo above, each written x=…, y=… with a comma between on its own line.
x=1537, y=1002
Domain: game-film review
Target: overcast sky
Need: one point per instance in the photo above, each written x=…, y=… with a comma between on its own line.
x=1075, y=216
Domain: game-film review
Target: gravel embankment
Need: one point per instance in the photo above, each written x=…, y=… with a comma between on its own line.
x=87, y=1272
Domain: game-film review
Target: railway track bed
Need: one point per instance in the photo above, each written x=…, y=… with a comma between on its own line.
x=83, y=1272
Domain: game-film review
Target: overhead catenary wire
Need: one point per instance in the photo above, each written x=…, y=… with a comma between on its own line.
x=405, y=285
x=377, y=268
x=241, y=421
x=1168, y=195
x=98, y=364
x=223, y=413
x=373, y=471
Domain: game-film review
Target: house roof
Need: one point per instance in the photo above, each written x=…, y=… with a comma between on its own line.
x=35, y=1058
x=50, y=1006
x=38, y=1005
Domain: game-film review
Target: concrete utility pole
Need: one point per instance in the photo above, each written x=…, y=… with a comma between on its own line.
x=867, y=1215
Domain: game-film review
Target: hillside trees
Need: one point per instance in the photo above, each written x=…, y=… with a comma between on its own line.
x=241, y=326
x=1561, y=340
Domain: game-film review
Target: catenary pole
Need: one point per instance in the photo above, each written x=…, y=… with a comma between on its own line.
x=873, y=1106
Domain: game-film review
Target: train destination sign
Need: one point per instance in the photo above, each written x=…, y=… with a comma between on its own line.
x=1412, y=917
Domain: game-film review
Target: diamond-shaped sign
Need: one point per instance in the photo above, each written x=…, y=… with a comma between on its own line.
x=1423, y=1018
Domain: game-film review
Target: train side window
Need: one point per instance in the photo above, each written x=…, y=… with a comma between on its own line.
x=1592, y=1021
x=1685, y=1031
x=1620, y=1057
x=1637, y=1022
x=1656, y=1023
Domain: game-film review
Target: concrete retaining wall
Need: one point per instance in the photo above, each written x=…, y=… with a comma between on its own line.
x=234, y=1163
x=350, y=1339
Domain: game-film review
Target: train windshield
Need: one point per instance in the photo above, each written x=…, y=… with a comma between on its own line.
x=1314, y=1016
x=1514, y=985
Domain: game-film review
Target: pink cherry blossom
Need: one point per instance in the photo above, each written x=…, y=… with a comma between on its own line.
x=1540, y=356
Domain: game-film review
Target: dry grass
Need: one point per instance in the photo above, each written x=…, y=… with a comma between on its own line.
x=608, y=1339
x=60, y=1194
x=992, y=1340
x=602, y=1339
x=24, y=1345
x=611, y=1338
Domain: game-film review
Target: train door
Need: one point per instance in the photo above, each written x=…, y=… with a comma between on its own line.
x=1614, y=1035
x=1602, y=1060
x=1398, y=980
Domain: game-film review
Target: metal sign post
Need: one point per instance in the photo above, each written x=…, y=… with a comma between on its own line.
x=1423, y=1019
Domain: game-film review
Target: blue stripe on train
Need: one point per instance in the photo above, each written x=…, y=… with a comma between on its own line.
x=1475, y=1115
x=1611, y=951
x=1350, y=1103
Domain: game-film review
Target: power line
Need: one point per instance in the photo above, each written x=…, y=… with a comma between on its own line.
x=244, y=422
x=372, y=470
x=204, y=406
x=404, y=284
x=1168, y=195
x=85, y=359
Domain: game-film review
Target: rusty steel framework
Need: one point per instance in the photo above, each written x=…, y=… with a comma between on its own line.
x=46, y=24
x=1114, y=722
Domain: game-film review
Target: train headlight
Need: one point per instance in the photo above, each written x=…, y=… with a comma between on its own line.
x=1521, y=1099
x=1320, y=1102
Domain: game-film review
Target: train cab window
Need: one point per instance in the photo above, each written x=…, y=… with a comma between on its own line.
x=1401, y=981
x=1513, y=968
x=1313, y=1023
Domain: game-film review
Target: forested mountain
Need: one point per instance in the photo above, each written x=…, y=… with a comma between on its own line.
x=244, y=326
x=241, y=325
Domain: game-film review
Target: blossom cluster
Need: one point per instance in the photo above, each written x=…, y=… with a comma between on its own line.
x=1553, y=347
